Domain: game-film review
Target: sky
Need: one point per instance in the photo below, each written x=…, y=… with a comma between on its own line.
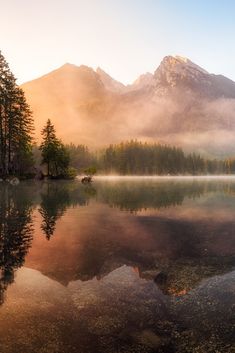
x=126, y=38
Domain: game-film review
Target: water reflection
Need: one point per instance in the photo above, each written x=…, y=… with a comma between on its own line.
x=56, y=198
x=16, y=232
x=138, y=195
x=175, y=248
x=129, y=265
x=54, y=202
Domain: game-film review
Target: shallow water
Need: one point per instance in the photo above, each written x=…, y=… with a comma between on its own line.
x=124, y=265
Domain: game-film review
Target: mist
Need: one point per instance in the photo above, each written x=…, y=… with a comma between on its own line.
x=85, y=112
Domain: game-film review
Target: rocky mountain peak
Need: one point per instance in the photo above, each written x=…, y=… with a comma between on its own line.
x=175, y=70
x=178, y=104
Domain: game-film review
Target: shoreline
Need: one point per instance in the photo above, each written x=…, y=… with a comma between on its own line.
x=113, y=177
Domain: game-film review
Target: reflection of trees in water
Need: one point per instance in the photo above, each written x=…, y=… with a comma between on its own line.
x=132, y=196
x=16, y=232
x=102, y=253
x=54, y=203
x=143, y=195
x=56, y=198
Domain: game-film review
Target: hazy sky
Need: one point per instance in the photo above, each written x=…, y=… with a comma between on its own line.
x=124, y=37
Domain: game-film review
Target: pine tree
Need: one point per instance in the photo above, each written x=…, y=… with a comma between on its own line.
x=16, y=125
x=54, y=153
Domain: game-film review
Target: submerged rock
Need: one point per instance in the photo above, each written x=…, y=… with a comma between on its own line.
x=150, y=274
x=149, y=338
x=14, y=181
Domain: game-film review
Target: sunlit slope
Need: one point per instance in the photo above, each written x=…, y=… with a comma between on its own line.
x=180, y=104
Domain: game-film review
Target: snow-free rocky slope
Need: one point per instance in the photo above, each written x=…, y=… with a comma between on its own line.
x=180, y=103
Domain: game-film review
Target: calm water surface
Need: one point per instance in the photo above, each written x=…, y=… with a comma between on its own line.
x=124, y=266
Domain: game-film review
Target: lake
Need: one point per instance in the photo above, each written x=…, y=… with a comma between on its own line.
x=127, y=265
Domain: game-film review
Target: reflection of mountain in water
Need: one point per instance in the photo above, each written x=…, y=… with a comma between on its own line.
x=104, y=305
x=16, y=233
x=174, y=251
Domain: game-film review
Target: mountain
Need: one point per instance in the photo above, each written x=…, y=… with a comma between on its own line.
x=180, y=103
x=110, y=83
x=180, y=72
x=75, y=98
x=143, y=81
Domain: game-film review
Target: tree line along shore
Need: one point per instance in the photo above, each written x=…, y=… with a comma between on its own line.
x=21, y=157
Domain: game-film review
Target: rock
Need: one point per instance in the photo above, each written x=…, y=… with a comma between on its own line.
x=149, y=338
x=14, y=181
x=150, y=274
x=161, y=278
x=86, y=180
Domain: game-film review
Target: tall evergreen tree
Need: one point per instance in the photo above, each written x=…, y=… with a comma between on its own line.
x=49, y=145
x=16, y=125
x=54, y=153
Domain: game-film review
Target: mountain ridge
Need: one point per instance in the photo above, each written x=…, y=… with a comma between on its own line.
x=179, y=102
